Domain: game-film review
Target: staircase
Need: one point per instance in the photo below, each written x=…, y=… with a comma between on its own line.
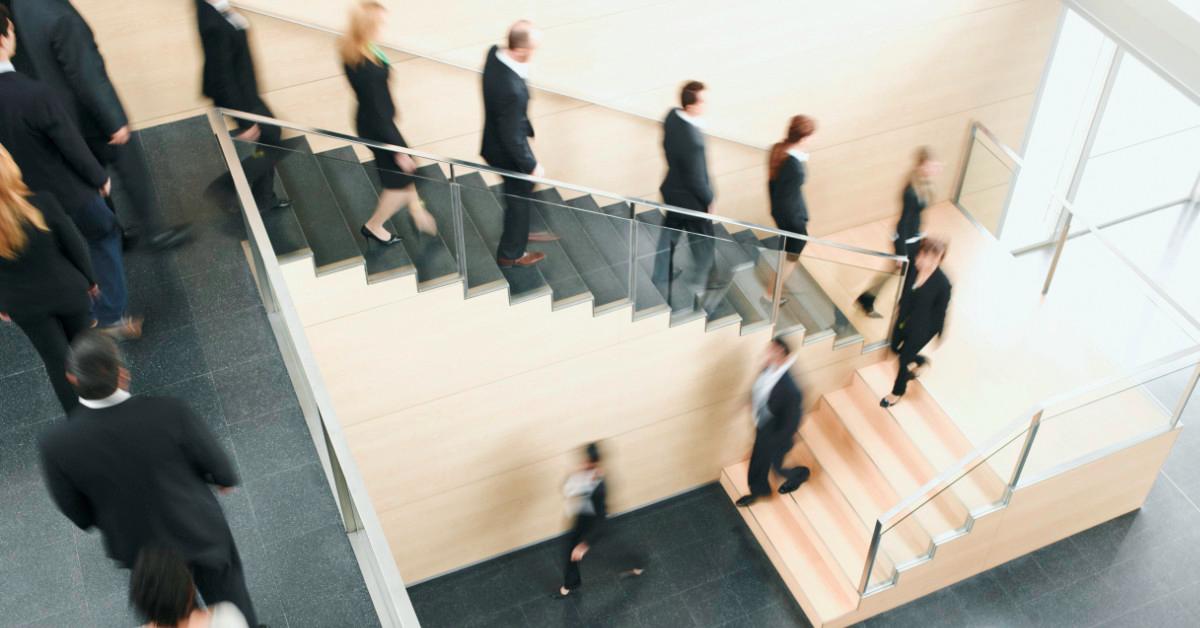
x=864, y=459
x=333, y=193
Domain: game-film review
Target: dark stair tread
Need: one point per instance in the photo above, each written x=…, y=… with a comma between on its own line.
x=608, y=291
x=357, y=198
x=843, y=330
x=806, y=299
x=524, y=282
x=648, y=299
x=328, y=235
x=483, y=275
x=745, y=294
x=435, y=264
x=683, y=306
x=283, y=228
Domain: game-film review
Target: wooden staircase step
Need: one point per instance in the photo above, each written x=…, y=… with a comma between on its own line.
x=834, y=518
x=936, y=435
x=905, y=467
x=861, y=482
x=795, y=548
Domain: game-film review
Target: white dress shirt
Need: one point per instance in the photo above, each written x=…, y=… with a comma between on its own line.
x=116, y=398
x=799, y=154
x=692, y=120
x=522, y=69
x=233, y=17
x=6, y=66
x=763, y=386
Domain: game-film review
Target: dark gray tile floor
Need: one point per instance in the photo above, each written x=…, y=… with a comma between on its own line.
x=209, y=342
x=704, y=568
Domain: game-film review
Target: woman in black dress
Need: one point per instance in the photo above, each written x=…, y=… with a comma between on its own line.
x=917, y=194
x=787, y=168
x=922, y=315
x=46, y=278
x=368, y=70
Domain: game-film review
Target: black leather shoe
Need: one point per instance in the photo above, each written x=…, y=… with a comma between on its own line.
x=281, y=203
x=746, y=500
x=170, y=237
x=369, y=235
x=884, y=403
x=130, y=237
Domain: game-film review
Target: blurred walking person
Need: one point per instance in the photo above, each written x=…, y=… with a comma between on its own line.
x=46, y=278
x=788, y=168
x=777, y=405
x=162, y=591
x=368, y=70
x=143, y=470
x=37, y=131
x=506, y=135
x=58, y=47
x=922, y=314
x=587, y=493
x=917, y=195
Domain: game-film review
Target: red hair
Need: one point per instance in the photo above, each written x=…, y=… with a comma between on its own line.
x=799, y=127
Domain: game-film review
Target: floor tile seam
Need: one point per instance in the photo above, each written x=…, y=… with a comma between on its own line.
x=87, y=605
x=37, y=365
x=1180, y=489
x=1133, y=609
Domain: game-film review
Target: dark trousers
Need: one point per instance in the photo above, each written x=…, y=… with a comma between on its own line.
x=700, y=275
x=910, y=353
x=98, y=224
x=259, y=166
x=51, y=335
x=571, y=576
x=768, y=453
x=515, y=236
x=225, y=584
x=128, y=163
x=868, y=297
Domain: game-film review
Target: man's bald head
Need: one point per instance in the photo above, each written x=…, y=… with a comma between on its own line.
x=523, y=39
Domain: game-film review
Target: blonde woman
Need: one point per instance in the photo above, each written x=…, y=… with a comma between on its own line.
x=368, y=69
x=46, y=278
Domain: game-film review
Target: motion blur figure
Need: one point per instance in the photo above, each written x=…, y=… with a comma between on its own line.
x=922, y=314
x=142, y=470
x=917, y=194
x=46, y=278
x=788, y=168
x=163, y=593
x=53, y=158
x=59, y=49
x=368, y=70
x=506, y=135
x=587, y=495
x=777, y=406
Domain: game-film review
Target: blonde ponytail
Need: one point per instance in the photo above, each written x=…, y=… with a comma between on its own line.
x=15, y=211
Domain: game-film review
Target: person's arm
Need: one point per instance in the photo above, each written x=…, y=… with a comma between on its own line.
x=513, y=132
x=75, y=48
x=695, y=176
x=940, y=306
x=600, y=504
x=73, y=503
x=219, y=54
x=55, y=124
x=67, y=235
x=203, y=451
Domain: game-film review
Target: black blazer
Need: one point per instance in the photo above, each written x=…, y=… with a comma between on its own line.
x=229, y=78
x=506, y=126
x=785, y=403
x=39, y=133
x=52, y=273
x=141, y=472
x=587, y=528
x=375, y=118
x=911, y=207
x=787, y=194
x=922, y=312
x=60, y=50
x=686, y=184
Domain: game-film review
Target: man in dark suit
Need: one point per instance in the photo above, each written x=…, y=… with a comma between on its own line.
x=686, y=185
x=777, y=406
x=506, y=133
x=38, y=132
x=58, y=48
x=230, y=81
x=143, y=470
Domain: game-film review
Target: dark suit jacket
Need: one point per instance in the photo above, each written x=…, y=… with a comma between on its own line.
x=52, y=273
x=909, y=224
x=140, y=471
x=785, y=403
x=922, y=312
x=787, y=194
x=506, y=126
x=375, y=118
x=229, y=78
x=40, y=135
x=59, y=48
x=686, y=184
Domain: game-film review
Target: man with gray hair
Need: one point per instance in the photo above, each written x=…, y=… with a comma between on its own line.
x=142, y=470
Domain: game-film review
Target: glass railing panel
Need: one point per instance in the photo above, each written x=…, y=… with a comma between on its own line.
x=987, y=177
x=848, y=294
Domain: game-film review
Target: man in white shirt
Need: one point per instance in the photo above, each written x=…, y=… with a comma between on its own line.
x=777, y=405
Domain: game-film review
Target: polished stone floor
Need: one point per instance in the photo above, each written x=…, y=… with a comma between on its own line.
x=207, y=341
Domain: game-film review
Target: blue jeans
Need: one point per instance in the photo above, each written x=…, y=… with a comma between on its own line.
x=99, y=227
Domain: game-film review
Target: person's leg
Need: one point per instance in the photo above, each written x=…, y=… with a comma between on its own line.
x=664, y=256
x=50, y=340
x=99, y=227
x=515, y=236
x=572, y=577
x=793, y=477
x=908, y=356
x=759, y=476
x=225, y=584
x=390, y=202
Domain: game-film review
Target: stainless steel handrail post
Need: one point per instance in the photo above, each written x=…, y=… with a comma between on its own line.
x=1064, y=231
x=966, y=164
x=460, y=238
x=777, y=301
x=864, y=579
x=633, y=259
x=905, y=267
x=1026, y=447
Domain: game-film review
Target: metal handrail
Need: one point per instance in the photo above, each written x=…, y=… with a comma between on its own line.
x=242, y=115
x=1008, y=152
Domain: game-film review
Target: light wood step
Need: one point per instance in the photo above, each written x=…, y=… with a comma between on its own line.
x=905, y=467
x=936, y=435
x=834, y=518
x=795, y=548
x=861, y=482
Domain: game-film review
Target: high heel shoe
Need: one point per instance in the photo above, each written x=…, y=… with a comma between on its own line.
x=369, y=235
x=884, y=403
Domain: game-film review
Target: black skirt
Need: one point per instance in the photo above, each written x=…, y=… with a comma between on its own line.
x=390, y=174
x=795, y=224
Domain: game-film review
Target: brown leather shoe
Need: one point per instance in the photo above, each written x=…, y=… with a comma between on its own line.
x=528, y=259
x=542, y=236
